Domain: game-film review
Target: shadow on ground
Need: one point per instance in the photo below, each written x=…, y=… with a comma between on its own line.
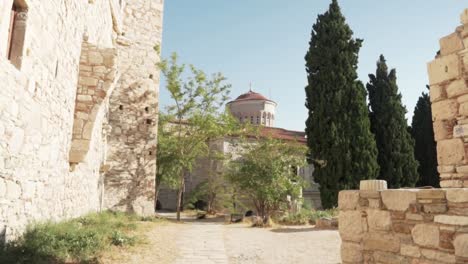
x=298, y=229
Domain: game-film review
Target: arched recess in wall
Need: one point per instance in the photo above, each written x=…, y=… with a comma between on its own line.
x=96, y=80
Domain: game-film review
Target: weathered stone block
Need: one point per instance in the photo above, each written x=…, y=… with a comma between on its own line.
x=450, y=152
x=379, y=220
x=437, y=93
x=461, y=245
x=462, y=169
x=451, y=220
x=463, y=110
x=431, y=194
x=410, y=250
x=351, y=252
x=88, y=81
x=414, y=217
x=348, y=200
x=95, y=58
x=446, y=168
x=438, y=255
x=462, y=98
x=443, y=69
x=457, y=195
x=451, y=44
x=445, y=110
x=451, y=183
x=435, y=208
x=350, y=225
x=426, y=235
x=398, y=200
x=443, y=129
x=389, y=258
x=13, y=190
x=381, y=242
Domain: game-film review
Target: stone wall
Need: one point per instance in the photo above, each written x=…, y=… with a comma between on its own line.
x=130, y=182
x=421, y=225
x=47, y=99
x=448, y=77
x=404, y=226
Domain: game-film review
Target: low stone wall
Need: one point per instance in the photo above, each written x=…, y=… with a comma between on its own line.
x=417, y=226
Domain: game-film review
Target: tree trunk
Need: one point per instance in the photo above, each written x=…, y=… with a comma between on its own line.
x=156, y=195
x=179, y=198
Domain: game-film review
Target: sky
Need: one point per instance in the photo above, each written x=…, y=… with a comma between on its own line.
x=263, y=42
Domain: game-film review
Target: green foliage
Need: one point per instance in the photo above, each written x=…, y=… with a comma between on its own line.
x=341, y=144
x=425, y=149
x=264, y=173
x=305, y=216
x=191, y=122
x=388, y=123
x=79, y=240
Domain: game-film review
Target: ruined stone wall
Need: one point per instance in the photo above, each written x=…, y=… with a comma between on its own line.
x=133, y=110
x=67, y=73
x=448, y=77
x=421, y=225
x=404, y=226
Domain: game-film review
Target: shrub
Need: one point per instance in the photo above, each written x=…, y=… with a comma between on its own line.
x=329, y=213
x=305, y=216
x=79, y=240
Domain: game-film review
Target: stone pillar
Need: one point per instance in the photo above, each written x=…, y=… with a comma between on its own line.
x=448, y=78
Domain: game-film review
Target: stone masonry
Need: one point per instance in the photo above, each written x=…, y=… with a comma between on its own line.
x=78, y=105
x=448, y=77
x=421, y=226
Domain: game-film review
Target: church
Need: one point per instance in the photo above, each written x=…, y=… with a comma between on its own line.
x=258, y=110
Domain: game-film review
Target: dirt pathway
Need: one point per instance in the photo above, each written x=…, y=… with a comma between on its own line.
x=213, y=242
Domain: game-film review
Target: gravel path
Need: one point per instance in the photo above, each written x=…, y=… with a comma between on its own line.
x=213, y=242
x=298, y=245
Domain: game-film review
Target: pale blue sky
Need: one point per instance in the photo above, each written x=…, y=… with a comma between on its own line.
x=264, y=42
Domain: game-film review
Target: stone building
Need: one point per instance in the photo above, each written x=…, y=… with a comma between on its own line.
x=78, y=108
x=256, y=109
x=421, y=225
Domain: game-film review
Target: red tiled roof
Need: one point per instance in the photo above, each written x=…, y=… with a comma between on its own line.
x=280, y=133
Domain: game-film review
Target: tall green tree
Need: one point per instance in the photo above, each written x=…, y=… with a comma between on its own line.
x=338, y=130
x=190, y=121
x=388, y=123
x=425, y=149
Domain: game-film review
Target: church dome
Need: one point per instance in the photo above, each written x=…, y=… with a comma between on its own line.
x=251, y=95
x=253, y=108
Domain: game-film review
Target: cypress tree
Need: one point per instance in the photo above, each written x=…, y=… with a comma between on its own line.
x=388, y=123
x=425, y=147
x=338, y=130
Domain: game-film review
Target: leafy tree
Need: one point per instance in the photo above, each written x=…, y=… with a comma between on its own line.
x=388, y=123
x=190, y=122
x=338, y=129
x=264, y=173
x=425, y=147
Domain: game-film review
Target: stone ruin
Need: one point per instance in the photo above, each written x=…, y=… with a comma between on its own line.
x=421, y=226
x=78, y=108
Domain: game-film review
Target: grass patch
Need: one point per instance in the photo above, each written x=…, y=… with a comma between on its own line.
x=80, y=240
